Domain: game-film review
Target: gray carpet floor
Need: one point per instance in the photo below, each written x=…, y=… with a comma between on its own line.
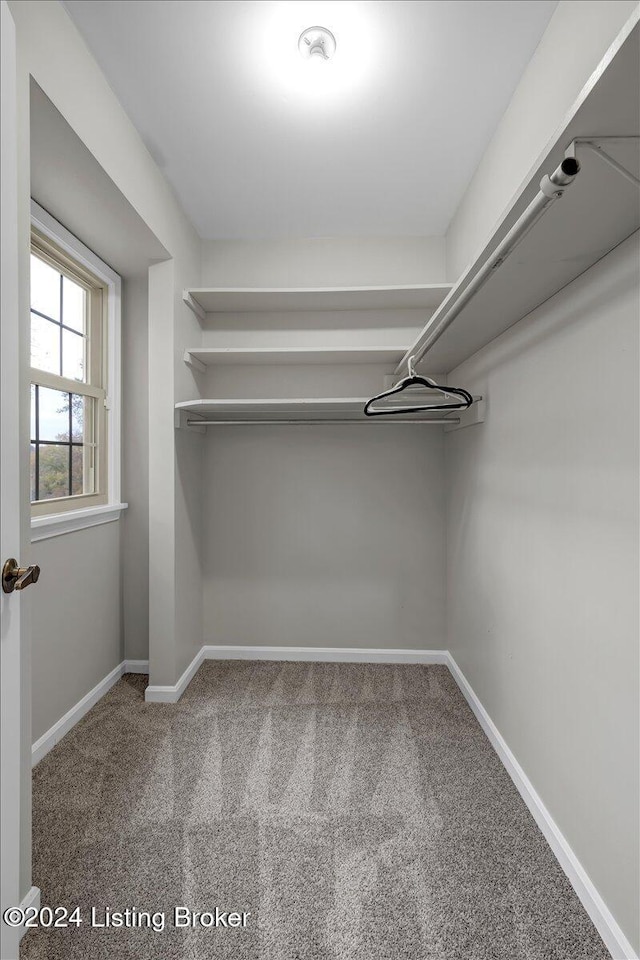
x=358, y=812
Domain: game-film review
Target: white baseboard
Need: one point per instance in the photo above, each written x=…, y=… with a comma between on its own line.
x=11, y=936
x=601, y=917
x=325, y=654
x=48, y=740
x=135, y=666
x=32, y=900
x=171, y=694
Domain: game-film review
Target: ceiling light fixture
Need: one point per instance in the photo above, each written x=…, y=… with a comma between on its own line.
x=317, y=43
x=300, y=64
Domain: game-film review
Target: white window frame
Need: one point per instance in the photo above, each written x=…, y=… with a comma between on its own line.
x=55, y=524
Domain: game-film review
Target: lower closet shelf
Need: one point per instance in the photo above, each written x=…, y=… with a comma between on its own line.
x=297, y=410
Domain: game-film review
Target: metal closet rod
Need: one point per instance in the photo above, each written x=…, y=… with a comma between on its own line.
x=239, y=423
x=551, y=188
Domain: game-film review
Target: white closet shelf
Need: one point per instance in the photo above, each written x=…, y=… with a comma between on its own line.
x=598, y=211
x=202, y=357
x=291, y=408
x=204, y=300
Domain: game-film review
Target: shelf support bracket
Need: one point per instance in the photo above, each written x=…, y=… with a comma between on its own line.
x=595, y=145
x=467, y=418
x=194, y=363
x=188, y=421
x=194, y=306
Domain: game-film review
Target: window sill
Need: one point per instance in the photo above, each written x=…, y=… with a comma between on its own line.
x=42, y=528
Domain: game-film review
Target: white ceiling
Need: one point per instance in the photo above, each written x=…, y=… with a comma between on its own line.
x=257, y=143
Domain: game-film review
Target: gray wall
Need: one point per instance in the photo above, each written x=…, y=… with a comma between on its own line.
x=78, y=192
x=324, y=536
x=91, y=608
x=188, y=480
x=175, y=478
x=542, y=533
x=53, y=53
x=135, y=467
x=76, y=612
x=325, y=261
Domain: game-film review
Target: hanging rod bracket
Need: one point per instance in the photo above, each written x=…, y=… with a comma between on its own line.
x=596, y=146
x=475, y=414
x=189, y=421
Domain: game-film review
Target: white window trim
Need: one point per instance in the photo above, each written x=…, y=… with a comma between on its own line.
x=53, y=525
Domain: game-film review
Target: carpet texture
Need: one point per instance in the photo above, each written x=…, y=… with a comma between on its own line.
x=358, y=812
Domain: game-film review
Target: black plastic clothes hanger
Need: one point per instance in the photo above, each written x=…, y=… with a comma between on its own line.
x=414, y=379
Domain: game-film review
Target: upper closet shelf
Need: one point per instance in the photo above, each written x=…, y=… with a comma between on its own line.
x=202, y=357
x=293, y=409
x=599, y=210
x=204, y=300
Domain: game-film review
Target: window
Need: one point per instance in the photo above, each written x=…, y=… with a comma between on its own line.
x=74, y=434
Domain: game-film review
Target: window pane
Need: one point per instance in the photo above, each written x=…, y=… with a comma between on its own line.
x=45, y=288
x=81, y=415
x=52, y=408
x=45, y=344
x=32, y=471
x=73, y=355
x=73, y=305
x=54, y=415
x=77, y=472
x=54, y=471
x=65, y=427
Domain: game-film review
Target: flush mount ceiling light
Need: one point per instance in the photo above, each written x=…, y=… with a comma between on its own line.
x=317, y=43
x=299, y=64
